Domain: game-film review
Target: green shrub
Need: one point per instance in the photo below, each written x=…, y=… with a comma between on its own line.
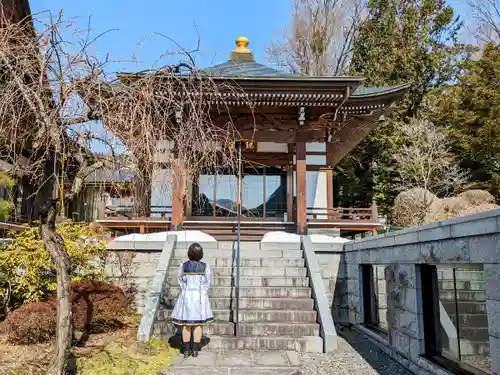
x=29, y=267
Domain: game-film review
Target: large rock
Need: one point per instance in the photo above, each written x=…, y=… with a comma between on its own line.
x=477, y=197
x=410, y=207
x=467, y=203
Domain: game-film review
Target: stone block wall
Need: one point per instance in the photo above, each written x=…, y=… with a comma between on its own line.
x=468, y=244
x=133, y=271
x=331, y=260
x=133, y=264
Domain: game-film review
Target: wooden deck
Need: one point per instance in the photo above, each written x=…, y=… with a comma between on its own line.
x=355, y=220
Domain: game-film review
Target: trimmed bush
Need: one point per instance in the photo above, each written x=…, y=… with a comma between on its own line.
x=411, y=206
x=31, y=324
x=477, y=197
x=105, y=303
x=97, y=307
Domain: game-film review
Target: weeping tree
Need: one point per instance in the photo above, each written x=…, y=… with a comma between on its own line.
x=171, y=129
x=51, y=92
x=41, y=139
x=319, y=39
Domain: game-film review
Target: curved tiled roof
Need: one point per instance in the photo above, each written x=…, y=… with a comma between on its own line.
x=362, y=91
x=243, y=69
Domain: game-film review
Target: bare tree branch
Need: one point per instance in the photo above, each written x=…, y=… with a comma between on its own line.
x=424, y=160
x=320, y=38
x=487, y=15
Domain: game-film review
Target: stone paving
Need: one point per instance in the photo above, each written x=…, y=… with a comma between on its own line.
x=355, y=354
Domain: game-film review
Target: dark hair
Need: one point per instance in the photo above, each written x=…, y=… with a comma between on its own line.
x=195, y=252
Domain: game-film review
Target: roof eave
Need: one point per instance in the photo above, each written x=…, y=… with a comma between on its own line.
x=399, y=89
x=282, y=82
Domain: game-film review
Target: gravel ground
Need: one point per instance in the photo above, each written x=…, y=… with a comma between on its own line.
x=356, y=354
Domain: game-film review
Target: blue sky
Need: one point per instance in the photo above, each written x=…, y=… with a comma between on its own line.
x=218, y=23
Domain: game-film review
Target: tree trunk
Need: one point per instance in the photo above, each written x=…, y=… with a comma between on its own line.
x=142, y=184
x=57, y=251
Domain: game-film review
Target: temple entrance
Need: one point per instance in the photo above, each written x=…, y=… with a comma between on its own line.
x=264, y=194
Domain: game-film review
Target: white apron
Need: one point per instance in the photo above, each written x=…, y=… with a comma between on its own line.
x=193, y=306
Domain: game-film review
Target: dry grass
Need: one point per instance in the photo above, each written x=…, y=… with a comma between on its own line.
x=110, y=353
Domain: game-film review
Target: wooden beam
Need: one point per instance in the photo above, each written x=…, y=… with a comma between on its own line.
x=301, y=187
x=330, y=154
x=283, y=136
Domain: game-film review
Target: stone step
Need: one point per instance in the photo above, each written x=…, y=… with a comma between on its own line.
x=292, y=329
x=244, y=254
x=254, y=303
x=248, y=281
x=277, y=316
x=165, y=329
x=254, y=315
x=246, y=262
x=252, y=271
x=257, y=245
x=310, y=344
x=256, y=292
x=223, y=315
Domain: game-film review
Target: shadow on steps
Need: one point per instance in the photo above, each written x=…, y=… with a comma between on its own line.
x=176, y=340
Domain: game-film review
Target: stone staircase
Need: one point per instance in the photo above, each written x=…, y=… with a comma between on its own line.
x=276, y=310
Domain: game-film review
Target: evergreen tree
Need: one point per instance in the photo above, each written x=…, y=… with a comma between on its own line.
x=470, y=109
x=403, y=41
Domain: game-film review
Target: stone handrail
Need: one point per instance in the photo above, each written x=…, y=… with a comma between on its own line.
x=328, y=331
x=156, y=290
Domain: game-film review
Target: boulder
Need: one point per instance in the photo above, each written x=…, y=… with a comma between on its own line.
x=410, y=207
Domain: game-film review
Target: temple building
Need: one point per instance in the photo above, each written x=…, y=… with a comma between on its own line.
x=298, y=129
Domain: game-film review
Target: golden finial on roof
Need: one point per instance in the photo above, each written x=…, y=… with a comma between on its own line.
x=242, y=52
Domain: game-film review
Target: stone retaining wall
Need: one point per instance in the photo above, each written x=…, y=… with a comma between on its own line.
x=133, y=270
x=132, y=265
x=331, y=260
x=463, y=243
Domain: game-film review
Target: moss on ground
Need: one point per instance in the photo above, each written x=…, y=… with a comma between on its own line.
x=137, y=359
x=112, y=353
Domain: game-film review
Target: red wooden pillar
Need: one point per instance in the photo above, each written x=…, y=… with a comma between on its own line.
x=330, y=149
x=178, y=194
x=329, y=193
x=301, y=187
x=289, y=193
x=102, y=209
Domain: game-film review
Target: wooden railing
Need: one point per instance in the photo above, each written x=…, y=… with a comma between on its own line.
x=321, y=214
x=164, y=212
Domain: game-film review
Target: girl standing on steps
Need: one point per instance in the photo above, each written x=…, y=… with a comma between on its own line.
x=192, y=309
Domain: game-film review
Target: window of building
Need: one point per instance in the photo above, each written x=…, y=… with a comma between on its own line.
x=375, y=298
x=455, y=318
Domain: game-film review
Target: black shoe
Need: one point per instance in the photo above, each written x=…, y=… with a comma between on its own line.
x=186, y=350
x=196, y=349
